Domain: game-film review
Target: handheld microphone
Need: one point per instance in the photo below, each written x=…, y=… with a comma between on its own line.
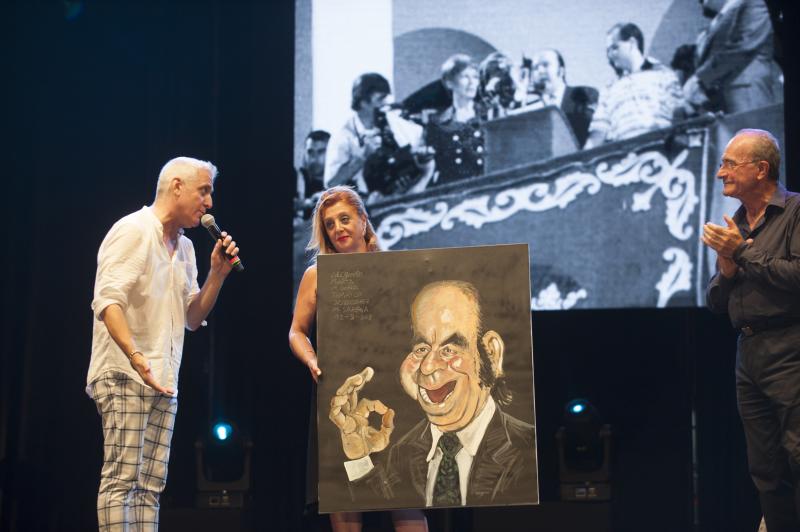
x=213, y=229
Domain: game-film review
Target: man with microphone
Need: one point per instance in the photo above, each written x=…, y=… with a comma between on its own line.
x=145, y=293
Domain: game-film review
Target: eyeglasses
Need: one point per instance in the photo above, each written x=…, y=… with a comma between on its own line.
x=727, y=164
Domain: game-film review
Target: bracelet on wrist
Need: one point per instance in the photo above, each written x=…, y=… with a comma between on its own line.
x=130, y=355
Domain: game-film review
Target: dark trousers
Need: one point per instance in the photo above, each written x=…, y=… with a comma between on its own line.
x=768, y=395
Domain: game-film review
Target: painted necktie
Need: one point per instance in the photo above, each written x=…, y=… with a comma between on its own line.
x=447, y=490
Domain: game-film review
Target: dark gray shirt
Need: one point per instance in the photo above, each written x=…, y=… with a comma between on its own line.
x=767, y=284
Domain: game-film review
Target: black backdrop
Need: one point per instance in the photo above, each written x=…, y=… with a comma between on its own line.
x=94, y=104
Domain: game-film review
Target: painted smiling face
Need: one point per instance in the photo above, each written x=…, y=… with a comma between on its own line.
x=442, y=370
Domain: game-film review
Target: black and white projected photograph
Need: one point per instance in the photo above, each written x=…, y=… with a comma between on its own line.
x=426, y=353
x=592, y=131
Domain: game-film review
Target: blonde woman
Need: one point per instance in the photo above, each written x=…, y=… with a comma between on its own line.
x=339, y=225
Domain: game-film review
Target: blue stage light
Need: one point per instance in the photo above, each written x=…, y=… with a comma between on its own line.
x=222, y=431
x=579, y=408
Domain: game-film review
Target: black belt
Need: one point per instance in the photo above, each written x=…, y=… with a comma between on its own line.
x=755, y=327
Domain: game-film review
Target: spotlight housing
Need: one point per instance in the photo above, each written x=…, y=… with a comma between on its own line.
x=584, y=453
x=223, y=460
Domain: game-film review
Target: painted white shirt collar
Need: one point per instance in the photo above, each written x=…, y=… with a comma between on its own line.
x=470, y=438
x=471, y=435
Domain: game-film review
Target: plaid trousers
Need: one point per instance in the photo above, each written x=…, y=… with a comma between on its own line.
x=137, y=430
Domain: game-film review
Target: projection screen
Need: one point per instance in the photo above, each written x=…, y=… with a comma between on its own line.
x=590, y=131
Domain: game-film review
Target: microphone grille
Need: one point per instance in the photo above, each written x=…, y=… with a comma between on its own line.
x=207, y=220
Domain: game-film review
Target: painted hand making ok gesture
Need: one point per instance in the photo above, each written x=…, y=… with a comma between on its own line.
x=351, y=415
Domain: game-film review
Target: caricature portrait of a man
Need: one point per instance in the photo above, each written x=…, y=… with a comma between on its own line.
x=466, y=450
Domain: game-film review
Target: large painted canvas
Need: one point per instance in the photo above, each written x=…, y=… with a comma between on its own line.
x=426, y=397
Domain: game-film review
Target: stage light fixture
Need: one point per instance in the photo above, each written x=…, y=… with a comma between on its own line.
x=584, y=452
x=223, y=460
x=577, y=407
x=222, y=431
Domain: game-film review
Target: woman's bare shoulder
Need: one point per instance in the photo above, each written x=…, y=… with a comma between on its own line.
x=309, y=277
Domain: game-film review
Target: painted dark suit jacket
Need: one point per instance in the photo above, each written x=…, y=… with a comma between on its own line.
x=503, y=470
x=735, y=58
x=578, y=105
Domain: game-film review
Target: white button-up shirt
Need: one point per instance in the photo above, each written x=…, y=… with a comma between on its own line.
x=154, y=290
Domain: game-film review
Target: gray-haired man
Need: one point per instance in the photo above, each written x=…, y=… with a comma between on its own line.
x=145, y=294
